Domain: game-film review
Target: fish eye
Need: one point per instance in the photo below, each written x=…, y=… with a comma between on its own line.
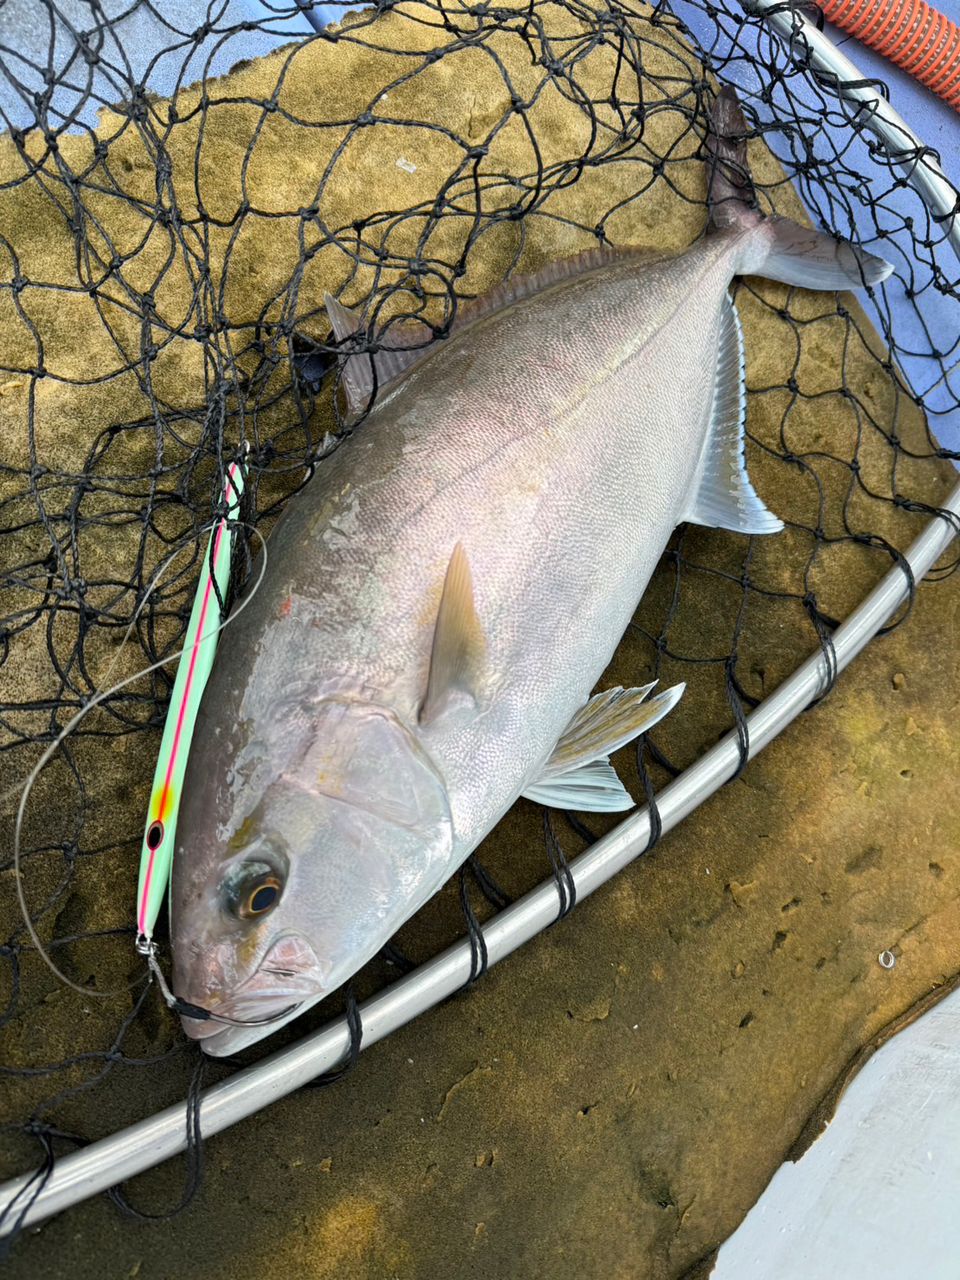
x=261, y=897
x=255, y=892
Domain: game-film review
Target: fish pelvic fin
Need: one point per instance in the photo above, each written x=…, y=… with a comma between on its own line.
x=592, y=788
x=779, y=248
x=459, y=646
x=723, y=497
x=578, y=774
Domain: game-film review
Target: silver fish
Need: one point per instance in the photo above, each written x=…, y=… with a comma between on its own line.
x=445, y=593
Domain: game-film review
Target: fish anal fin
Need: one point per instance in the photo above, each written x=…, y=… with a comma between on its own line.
x=459, y=646
x=724, y=498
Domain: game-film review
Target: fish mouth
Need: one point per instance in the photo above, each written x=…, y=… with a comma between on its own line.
x=288, y=975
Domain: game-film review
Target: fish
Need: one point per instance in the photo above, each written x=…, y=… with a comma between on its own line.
x=444, y=594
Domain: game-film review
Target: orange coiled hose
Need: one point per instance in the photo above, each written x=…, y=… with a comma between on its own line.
x=910, y=33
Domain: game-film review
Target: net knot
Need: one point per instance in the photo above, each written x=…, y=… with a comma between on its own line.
x=88, y=53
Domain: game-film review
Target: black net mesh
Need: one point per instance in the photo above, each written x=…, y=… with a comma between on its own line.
x=175, y=197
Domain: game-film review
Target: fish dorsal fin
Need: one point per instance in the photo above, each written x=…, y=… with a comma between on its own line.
x=724, y=498
x=356, y=373
x=459, y=647
x=578, y=774
x=364, y=372
x=526, y=284
x=344, y=321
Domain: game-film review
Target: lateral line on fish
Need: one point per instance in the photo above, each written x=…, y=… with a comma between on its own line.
x=638, y=346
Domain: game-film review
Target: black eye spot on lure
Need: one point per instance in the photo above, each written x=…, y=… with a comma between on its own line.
x=154, y=835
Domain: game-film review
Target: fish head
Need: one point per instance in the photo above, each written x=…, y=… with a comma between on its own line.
x=318, y=845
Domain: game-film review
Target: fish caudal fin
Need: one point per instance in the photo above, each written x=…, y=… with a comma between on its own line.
x=731, y=195
x=797, y=255
x=578, y=774
x=780, y=249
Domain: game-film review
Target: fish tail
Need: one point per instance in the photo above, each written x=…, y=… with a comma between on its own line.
x=732, y=198
x=777, y=248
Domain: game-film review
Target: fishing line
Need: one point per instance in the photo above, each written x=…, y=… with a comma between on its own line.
x=148, y=949
x=88, y=707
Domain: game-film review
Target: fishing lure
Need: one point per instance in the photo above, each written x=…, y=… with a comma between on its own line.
x=193, y=671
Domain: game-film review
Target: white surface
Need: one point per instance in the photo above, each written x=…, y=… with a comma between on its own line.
x=878, y=1195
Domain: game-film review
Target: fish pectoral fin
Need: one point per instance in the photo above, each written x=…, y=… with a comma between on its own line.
x=459, y=647
x=590, y=788
x=724, y=497
x=578, y=774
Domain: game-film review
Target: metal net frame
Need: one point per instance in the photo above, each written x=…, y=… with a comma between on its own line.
x=267, y=386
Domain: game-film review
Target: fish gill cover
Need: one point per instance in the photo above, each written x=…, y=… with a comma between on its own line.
x=163, y=262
